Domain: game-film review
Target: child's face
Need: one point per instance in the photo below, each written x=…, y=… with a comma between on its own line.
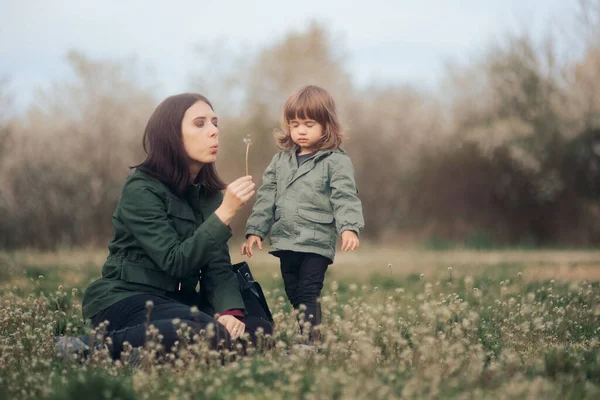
x=306, y=133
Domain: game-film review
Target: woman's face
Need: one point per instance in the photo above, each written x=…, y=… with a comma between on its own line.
x=200, y=135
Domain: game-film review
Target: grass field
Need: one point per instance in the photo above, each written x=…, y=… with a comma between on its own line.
x=397, y=324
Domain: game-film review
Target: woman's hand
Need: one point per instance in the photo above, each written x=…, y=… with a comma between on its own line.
x=237, y=194
x=350, y=241
x=249, y=243
x=234, y=326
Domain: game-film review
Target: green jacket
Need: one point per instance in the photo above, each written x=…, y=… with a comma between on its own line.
x=160, y=244
x=308, y=205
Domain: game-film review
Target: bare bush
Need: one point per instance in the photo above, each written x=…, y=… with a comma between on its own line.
x=506, y=150
x=71, y=154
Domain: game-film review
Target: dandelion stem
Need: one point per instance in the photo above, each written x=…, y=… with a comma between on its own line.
x=248, y=143
x=247, y=151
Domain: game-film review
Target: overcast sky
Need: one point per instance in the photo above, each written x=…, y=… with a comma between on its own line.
x=399, y=41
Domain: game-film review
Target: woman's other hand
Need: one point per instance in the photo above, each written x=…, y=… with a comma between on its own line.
x=249, y=243
x=237, y=194
x=234, y=326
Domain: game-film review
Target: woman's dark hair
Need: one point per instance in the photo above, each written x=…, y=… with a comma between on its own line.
x=166, y=159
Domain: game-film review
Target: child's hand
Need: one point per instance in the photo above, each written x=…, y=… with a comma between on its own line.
x=249, y=243
x=350, y=241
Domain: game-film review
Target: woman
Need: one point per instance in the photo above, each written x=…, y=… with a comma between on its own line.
x=170, y=225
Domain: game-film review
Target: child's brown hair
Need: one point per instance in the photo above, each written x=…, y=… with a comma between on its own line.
x=311, y=102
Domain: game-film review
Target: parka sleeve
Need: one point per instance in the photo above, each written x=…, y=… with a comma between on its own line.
x=144, y=214
x=347, y=207
x=220, y=283
x=263, y=210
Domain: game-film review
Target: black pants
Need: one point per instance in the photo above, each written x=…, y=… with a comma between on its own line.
x=303, y=275
x=127, y=322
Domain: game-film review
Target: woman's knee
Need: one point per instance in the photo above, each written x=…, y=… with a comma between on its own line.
x=173, y=331
x=210, y=330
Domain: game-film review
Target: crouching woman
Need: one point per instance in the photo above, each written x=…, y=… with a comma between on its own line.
x=171, y=224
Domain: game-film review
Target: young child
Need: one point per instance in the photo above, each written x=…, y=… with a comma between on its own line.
x=309, y=195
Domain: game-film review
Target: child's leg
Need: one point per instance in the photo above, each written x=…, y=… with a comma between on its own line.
x=310, y=283
x=290, y=269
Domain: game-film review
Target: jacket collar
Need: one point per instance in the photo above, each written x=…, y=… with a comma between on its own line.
x=319, y=154
x=298, y=171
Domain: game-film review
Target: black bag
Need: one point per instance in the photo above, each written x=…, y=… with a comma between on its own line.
x=252, y=293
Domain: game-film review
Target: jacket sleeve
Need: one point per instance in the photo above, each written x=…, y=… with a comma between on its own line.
x=220, y=283
x=264, y=208
x=347, y=207
x=144, y=214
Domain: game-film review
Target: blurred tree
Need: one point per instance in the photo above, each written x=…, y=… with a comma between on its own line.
x=583, y=164
x=520, y=113
x=6, y=120
x=300, y=58
x=508, y=152
x=582, y=111
x=6, y=143
x=517, y=106
x=387, y=130
x=71, y=155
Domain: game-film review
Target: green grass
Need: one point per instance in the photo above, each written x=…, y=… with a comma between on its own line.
x=458, y=329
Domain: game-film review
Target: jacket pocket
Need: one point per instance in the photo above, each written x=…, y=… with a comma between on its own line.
x=315, y=228
x=179, y=210
x=315, y=216
x=137, y=273
x=182, y=218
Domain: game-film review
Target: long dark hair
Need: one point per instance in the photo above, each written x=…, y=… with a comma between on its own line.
x=166, y=159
